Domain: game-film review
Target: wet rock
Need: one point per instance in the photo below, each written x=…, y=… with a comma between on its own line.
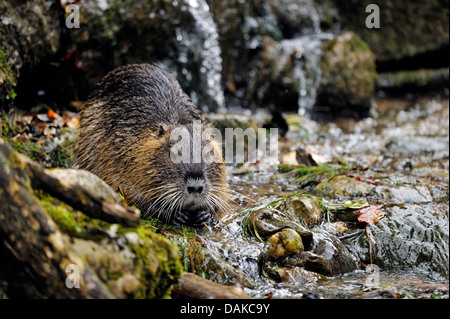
x=408, y=81
x=348, y=73
x=29, y=31
x=241, y=26
x=284, y=243
x=118, y=33
x=90, y=182
x=290, y=73
x=309, y=261
x=328, y=255
x=290, y=275
x=411, y=236
x=404, y=194
x=305, y=209
x=267, y=222
x=406, y=28
x=345, y=186
x=296, y=17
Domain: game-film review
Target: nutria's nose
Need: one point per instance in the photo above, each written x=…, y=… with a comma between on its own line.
x=195, y=189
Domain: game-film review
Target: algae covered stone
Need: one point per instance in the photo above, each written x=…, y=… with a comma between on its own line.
x=348, y=73
x=284, y=243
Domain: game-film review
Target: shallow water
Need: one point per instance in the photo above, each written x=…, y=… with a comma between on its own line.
x=404, y=149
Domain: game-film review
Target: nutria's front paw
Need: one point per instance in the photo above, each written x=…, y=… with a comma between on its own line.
x=194, y=219
x=199, y=219
x=180, y=218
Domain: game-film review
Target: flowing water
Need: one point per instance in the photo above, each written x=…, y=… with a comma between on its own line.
x=404, y=148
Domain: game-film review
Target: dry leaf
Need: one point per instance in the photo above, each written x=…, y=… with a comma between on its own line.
x=371, y=214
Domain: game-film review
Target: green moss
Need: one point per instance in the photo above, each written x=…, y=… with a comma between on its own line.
x=160, y=263
x=62, y=157
x=70, y=221
x=157, y=259
x=5, y=128
x=7, y=81
x=30, y=149
x=314, y=174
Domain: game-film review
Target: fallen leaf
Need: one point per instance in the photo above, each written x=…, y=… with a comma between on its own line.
x=51, y=114
x=371, y=214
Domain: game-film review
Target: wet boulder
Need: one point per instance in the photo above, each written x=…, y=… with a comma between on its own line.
x=289, y=74
x=284, y=243
x=266, y=222
x=348, y=73
x=412, y=235
x=29, y=31
x=306, y=209
x=93, y=236
x=345, y=186
x=122, y=32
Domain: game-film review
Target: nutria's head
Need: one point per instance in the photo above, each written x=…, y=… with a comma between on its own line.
x=182, y=177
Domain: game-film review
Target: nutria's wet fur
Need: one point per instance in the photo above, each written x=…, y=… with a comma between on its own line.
x=125, y=131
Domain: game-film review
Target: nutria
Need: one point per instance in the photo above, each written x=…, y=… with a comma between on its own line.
x=125, y=139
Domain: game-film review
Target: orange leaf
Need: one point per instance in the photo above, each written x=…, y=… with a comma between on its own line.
x=371, y=214
x=51, y=114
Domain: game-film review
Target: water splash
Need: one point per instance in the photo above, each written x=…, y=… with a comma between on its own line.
x=199, y=46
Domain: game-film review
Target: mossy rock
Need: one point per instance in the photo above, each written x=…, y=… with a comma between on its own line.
x=131, y=262
x=345, y=186
x=348, y=73
x=407, y=28
x=413, y=80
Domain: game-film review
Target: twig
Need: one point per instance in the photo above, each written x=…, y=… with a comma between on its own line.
x=370, y=244
x=355, y=234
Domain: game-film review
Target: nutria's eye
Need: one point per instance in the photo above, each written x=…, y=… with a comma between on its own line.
x=161, y=131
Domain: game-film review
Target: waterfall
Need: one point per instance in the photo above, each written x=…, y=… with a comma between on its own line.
x=198, y=46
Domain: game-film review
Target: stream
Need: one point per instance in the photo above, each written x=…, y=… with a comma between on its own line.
x=403, y=147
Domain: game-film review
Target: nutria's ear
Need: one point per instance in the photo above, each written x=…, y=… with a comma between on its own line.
x=161, y=131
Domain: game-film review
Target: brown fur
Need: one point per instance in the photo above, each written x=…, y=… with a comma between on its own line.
x=125, y=139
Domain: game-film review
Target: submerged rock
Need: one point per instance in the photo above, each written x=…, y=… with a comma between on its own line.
x=290, y=275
